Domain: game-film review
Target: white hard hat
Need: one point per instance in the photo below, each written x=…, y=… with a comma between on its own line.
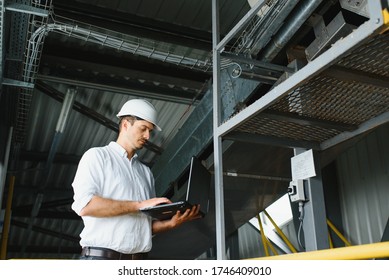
x=140, y=108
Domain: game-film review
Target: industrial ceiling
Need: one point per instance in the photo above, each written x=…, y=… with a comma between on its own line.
x=69, y=65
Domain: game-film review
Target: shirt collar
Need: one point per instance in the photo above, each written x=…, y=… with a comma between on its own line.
x=120, y=150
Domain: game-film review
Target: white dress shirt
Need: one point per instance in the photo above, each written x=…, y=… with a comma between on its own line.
x=108, y=173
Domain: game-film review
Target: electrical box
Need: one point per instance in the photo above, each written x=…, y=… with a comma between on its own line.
x=296, y=191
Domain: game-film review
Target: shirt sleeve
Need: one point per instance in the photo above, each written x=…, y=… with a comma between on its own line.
x=87, y=180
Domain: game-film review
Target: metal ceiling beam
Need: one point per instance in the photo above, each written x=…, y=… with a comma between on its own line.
x=48, y=214
x=45, y=231
x=253, y=176
x=27, y=9
x=303, y=120
x=48, y=204
x=36, y=156
x=363, y=128
x=57, y=191
x=269, y=140
x=171, y=84
x=48, y=209
x=118, y=63
x=257, y=63
x=79, y=107
x=15, y=83
x=357, y=76
x=134, y=25
x=139, y=90
x=264, y=72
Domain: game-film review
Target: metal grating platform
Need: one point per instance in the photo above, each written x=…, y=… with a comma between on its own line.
x=339, y=99
x=371, y=57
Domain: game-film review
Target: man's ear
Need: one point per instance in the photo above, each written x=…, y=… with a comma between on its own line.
x=124, y=124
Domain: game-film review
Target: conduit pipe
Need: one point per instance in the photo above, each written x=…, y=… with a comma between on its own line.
x=265, y=37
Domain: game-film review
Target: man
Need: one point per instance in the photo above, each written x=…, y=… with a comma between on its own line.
x=111, y=185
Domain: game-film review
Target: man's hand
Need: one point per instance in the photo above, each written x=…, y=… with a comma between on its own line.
x=188, y=215
x=178, y=219
x=153, y=201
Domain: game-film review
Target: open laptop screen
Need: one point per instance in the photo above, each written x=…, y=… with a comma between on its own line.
x=197, y=192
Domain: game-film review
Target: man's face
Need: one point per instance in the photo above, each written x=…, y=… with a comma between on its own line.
x=138, y=133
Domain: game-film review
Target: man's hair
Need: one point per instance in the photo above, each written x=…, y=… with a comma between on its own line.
x=131, y=119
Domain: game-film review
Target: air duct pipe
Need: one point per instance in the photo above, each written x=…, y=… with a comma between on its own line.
x=296, y=20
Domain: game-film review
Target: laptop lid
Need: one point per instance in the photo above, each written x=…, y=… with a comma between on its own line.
x=198, y=185
x=197, y=192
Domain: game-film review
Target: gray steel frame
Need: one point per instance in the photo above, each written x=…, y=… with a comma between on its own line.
x=217, y=138
x=306, y=73
x=1, y=39
x=323, y=61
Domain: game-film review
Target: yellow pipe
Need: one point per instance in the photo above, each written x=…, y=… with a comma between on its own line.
x=272, y=247
x=283, y=236
x=263, y=236
x=266, y=240
x=331, y=225
x=360, y=252
x=7, y=219
x=330, y=241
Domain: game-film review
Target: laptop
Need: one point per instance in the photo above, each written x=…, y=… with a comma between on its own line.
x=197, y=192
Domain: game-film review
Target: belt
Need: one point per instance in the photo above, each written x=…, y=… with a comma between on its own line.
x=111, y=254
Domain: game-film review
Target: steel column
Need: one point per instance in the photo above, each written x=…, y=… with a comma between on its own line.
x=2, y=48
x=217, y=141
x=313, y=211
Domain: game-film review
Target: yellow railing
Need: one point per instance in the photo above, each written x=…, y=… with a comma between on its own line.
x=266, y=243
x=279, y=231
x=337, y=232
x=368, y=251
x=357, y=252
x=385, y=13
